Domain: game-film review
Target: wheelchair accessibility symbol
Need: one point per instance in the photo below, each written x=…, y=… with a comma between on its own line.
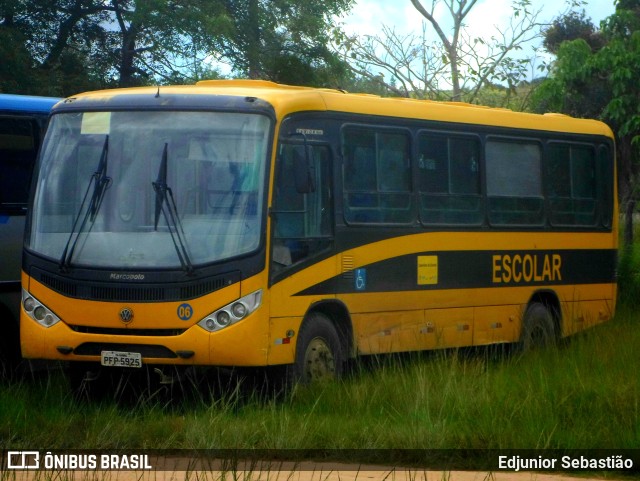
x=361, y=279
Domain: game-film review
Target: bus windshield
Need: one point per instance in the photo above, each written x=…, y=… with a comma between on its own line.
x=150, y=189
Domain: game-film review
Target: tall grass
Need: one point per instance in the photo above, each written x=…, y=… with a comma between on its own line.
x=629, y=271
x=629, y=276
x=583, y=394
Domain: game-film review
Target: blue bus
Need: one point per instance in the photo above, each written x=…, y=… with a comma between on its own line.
x=23, y=119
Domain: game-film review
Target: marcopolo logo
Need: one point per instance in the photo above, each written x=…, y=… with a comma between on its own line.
x=118, y=276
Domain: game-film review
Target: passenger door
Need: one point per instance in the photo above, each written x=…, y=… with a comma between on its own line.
x=301, y=213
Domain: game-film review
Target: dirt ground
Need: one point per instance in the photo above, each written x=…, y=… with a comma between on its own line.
x=352, y=473
x=301, y=472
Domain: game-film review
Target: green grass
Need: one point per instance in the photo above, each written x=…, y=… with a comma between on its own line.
x=583, y=394
x=629, y=271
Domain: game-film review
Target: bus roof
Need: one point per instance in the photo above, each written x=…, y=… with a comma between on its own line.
x=27, y=103
x=289, y=99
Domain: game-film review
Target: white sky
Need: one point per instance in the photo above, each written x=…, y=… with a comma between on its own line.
x=367, y=16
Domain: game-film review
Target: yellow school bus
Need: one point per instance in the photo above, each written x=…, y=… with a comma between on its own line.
x=246, y=223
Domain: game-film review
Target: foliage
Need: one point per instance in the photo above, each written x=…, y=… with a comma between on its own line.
x=572, y=89
x=59, y=47
x=453, y=66
x=283, y=40
x=629, y=277
x=603, y=84
x=571, y=26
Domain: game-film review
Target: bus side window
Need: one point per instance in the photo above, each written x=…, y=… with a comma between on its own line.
x=394, y=166
x=449, y=179
x=514, y=182
x=18, y=150
x=301, y=220
x=604, y=179
x=377, y=176
x=571, y=181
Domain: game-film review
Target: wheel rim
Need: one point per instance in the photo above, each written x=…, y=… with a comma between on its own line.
x=319, y=362
x=539, y=335
x=539, y=329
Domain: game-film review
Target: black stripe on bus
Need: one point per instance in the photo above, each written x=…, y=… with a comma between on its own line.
x=474, y=269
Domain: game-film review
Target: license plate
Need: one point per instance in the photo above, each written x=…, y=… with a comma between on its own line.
x=121, y=359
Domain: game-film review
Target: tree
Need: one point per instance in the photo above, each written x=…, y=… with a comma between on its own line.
x=162, y=40
x=455, y=63
x=58, y=47
x=283, y=40
x=571, y=26
x=604, y=84
x=16, y=59
x=71, y=45
x=51, y=43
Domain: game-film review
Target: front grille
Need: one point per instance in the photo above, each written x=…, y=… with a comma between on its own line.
x=196, y=290
x=146, y=350
x=134, y=292
x=62, y=286
x=138, y=294
x=127, y=332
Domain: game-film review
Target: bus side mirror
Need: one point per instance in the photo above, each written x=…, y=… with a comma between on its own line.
x=304, y=179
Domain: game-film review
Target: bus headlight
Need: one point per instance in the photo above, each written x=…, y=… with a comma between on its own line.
x=232, y=313
x=37, y=311
x=223, y=319
x=239, y=310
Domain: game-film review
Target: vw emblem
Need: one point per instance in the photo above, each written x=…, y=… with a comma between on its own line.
x=126, y=315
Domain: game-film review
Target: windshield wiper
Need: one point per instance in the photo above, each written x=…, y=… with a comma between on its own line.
x=101, y=182
x=164, y=195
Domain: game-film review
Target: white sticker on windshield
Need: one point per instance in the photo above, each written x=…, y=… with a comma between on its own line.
x=96, y=123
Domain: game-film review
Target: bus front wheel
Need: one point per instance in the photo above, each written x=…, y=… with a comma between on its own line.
x=319, y=353
x=538, y=328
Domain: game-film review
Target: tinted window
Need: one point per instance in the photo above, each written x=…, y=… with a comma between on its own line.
x=377, y=176
x=514, y=183
x=605, y=184
x=18, y=150
x=449, y=179
x=301, y=213
x=571, y=180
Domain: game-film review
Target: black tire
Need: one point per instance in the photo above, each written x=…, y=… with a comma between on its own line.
x=319, y=353
x=538, y=328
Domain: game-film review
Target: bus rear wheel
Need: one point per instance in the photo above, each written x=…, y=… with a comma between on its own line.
x=319, y=354
x=538, y=328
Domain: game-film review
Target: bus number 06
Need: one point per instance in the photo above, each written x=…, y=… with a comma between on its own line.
x=185, y=311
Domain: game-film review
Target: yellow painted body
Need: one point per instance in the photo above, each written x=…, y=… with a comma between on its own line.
x=416, y=320
x=244, y=343
x=381, y=322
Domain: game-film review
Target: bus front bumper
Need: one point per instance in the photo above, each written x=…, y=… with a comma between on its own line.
x=241, y=344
